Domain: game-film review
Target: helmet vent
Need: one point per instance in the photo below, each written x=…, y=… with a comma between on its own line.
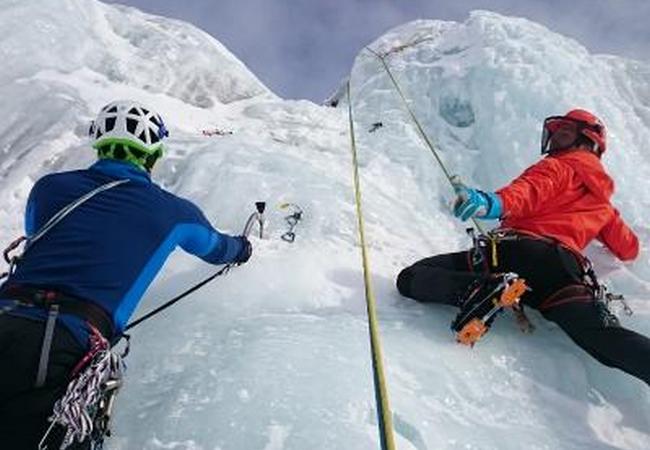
x=155, y=121
x=143, y=137
x=137, y=152
x=110, y=124
x=99, y=133
x=154, y=137
x=145, y=112
x=113, y=110
x=134, y=111
x=120, y=152
x=131, y=125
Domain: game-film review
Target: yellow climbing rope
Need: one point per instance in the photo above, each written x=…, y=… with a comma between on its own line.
x=381, y=392
x=419, y=128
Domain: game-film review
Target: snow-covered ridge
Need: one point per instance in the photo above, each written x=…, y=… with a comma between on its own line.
x=64, y=59
x=125, y=45
x=275, y=356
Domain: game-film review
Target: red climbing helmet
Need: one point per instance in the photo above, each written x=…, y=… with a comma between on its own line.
x=563, y=132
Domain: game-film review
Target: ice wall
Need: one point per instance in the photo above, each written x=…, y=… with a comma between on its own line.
x=275, y=356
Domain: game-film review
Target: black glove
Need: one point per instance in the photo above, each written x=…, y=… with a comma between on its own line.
x=246, y=251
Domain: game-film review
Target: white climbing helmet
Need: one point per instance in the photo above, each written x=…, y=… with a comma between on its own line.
x=131, y=124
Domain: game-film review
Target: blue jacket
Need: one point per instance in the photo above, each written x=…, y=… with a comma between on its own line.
x=109, y=249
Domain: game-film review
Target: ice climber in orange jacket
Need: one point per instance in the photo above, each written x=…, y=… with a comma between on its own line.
x=549, y=214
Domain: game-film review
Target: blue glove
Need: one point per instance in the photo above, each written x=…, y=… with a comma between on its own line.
x=475, y=203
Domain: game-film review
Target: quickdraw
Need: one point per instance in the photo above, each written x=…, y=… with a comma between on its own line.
x=292, y=220
x=601, y=290
x=85, y=410
x=479, y=252
x=589, y=279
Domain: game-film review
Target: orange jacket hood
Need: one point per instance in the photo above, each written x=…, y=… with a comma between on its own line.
x=590, y=170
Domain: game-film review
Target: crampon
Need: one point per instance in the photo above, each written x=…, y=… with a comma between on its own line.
x=483, y=301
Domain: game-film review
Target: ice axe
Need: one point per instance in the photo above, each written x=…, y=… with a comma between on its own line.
x=256, y=217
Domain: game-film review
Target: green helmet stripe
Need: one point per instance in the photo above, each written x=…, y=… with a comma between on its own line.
x=106, y=149
x=155, y=148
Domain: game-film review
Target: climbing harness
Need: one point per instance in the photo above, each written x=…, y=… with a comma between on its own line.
x=292, y=220
x=85, y=410
x=47, y=300
x=587, y=284
x=587, y=288
x=384, y=417
x=79, y=408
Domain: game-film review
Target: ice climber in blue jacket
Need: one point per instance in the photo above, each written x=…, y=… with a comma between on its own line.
x=94, y=264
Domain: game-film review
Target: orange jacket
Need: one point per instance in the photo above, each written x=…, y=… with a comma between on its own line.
x=565, y=196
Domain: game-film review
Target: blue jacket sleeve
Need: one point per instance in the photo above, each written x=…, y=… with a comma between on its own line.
x=202, y=240
x=30, y=214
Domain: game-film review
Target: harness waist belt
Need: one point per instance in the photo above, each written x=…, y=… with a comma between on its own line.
x=44, y=298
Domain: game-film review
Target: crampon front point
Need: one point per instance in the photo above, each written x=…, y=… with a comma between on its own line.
x=484, y=301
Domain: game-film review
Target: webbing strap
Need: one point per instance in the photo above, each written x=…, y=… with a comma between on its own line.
x=381, y=392
x=495, y=257
x=54, y=220
x=47, y=345
x=61, y=214
x=418, y=126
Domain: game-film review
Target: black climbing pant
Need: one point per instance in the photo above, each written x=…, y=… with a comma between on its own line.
x=24, y=409
x=554, y=275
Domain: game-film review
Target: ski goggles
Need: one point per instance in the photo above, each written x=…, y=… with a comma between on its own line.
x=561, y=133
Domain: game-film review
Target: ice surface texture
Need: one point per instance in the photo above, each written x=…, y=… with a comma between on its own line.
x=275, y=356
